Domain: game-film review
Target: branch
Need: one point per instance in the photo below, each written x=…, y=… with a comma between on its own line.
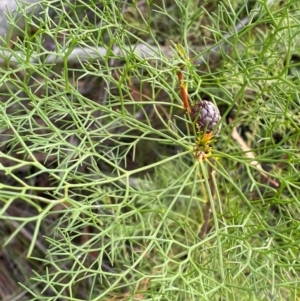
x=248, y=153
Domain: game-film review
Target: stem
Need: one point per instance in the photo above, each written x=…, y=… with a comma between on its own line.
x=205, y=226
x=207, y=214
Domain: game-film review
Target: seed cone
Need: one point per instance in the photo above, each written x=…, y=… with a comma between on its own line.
x=206, y=115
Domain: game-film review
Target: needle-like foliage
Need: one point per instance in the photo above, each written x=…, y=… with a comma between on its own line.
x=104, y=195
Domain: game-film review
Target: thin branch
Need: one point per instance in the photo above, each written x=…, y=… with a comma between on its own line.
x=248, y=153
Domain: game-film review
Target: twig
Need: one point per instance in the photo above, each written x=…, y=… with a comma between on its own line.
x=248, y=153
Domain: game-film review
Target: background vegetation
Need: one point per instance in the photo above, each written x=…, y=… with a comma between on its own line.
x=101, y=195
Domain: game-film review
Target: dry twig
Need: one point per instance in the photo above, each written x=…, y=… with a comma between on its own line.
x=248, y=153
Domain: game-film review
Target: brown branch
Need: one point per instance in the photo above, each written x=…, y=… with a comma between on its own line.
x=248, y=153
